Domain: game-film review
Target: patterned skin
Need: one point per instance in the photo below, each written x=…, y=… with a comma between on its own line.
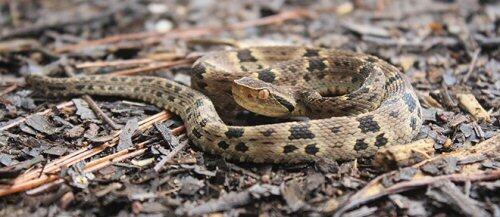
x=359, y=103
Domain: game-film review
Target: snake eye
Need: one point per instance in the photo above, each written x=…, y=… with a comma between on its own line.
x=263, y=94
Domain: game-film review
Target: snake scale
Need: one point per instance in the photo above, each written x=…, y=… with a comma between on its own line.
x=359, y=102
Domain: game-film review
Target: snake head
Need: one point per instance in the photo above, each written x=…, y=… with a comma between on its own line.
x=264, y=98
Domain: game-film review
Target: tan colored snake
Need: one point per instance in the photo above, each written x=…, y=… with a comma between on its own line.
x=360, y=103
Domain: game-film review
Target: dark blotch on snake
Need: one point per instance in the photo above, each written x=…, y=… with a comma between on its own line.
x=159, y=94
x=198, y=71
x=268, y=132
x=306, y=77
x=196, y=133
x=177, y=89
x=234, y=132
x=413, y=123
x=372, y=59
x=359, y=92
x=409, y=101
x=335, y=129
x=60, y=88
x=289, y=148
x=367, y=69
x=171, y=98
x=223, y=145
x=203, y=122
x=245, y=55
x=241, y=147
x=372, y=97
x=243, y=68
x=266, y=75
x=347, y=109
x=391, y=80
x=201, y=85
x=367, y=124
x=380, y=140
x=316, y=64
x=300, y=131
x=394, y=114
x=285, y=103
x=311, y=149
x=311, y=53
x=198, y=103
x=360, y=145
x=78, y=87
x=146, y=80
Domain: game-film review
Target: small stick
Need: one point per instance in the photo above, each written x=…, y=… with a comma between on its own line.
x=152, y=67
x=124, y=155
x=93, y=105
x=28, y=185
x=114, y=63
x=114, y=155
x=194, y=32
x=9, y=89
x=472, y=64
x=170, y=155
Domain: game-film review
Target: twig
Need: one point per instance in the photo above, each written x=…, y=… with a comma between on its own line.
x=9, y=89
x=154, y=37
x=28, y=185
x=170, y=155
x=153, y=67
x=92, y=104
x=472, y=64
x=114, y=63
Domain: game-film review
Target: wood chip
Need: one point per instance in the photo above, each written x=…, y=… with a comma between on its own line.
x=405, y=155
x=41, y=124
x=448, y=193
x=471, y=105
x=127, y=133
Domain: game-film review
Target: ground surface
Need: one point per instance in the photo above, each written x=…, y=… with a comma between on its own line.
x=449, y=49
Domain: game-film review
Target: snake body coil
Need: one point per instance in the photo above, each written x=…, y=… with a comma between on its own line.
x=372, y=103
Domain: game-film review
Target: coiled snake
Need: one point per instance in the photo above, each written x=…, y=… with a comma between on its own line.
x=358, y=102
